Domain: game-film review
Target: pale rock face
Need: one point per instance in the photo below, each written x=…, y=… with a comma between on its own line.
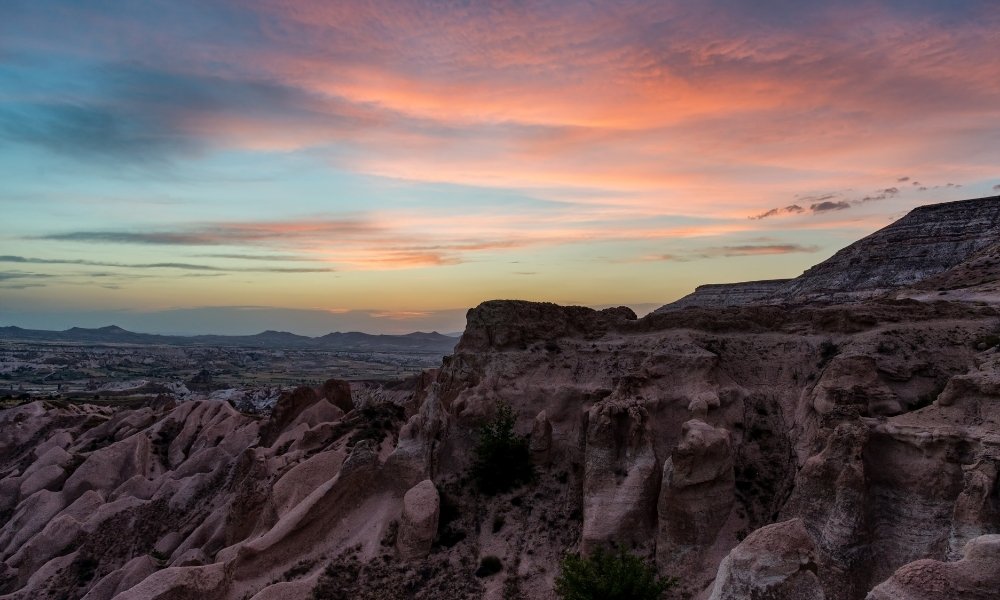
x=696, y=496
x=419, y=522
x=621, y=476
x=777, y=561
x=540, y=442
x=974, y=577
x=414, y=457
x=977, y=511
x=830, y=498
x=179, y=582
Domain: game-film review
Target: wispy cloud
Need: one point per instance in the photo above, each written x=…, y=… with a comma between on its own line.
x=399, y=315
x=733, y=251
x=390, y=241
x=160, y=265
x=262, y=257
x=9, y=275
x=224, y=233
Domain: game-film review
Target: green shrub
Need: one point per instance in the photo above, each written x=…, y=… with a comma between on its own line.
x=502, y=458
x=610, y=575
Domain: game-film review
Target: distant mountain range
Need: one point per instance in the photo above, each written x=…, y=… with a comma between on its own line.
x=353, y=341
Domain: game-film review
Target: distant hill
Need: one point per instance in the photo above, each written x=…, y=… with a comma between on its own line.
x=354, y=341
x=934, y=247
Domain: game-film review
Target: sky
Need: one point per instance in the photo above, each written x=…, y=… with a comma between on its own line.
x=231, y=166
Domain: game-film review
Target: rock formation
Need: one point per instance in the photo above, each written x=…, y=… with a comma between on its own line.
x=419, y=523
x=935, y=247
x=696, y=497
x=973, y=577
x=776, y=561
x=804, y=451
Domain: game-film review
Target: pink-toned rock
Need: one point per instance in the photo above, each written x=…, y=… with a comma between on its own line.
x=303, y=478
x=45, y=478
x=419, y=522
x=621, y=476
x=697, y=493
x=777, y=561
x=119, y=580
x=338, y=393
x=207, y=581
x=320, y=412
x=32, y=515
x=977, y=510
x=286, y=411
x=286, y=590
x=852, y=381
x=110, y=466
x=540, y=442
x=974, y=577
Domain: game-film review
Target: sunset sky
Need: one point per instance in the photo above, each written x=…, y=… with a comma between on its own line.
x=306, y=165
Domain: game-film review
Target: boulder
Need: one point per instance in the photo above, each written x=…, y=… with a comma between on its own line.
x=974, y=577
x=777, y=561
x=419, y=522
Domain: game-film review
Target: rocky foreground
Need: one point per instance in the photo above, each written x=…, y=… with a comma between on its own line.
x=804, y=451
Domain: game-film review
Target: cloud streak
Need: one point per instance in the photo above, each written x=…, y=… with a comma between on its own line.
x=735, y=250
x=159, y=265
x=826, y=203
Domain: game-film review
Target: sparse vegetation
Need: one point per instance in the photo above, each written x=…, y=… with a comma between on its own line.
x=298, y=570
x=159, y=558
x=489, y=565
x=498, y=523
x=502, y=458
x=827, y=350
x=610, y=575
x=449, y=533
x=84, y=567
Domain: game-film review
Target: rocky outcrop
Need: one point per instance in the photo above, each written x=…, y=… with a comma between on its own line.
x=974, y=577
x=338, y=393
x=697, y=495
x=938, y=246
x=511, y=323
x=929, y=240
x=830, y=498
x=744, y=293
x=777, y=561
x=540, y=442
x=419, y=523
x=621, y=476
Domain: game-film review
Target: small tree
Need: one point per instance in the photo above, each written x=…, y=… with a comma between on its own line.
x=502, y=458
x=610, y=575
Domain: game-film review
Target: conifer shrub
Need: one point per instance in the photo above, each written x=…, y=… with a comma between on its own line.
x=610, y=575
x=502, y=458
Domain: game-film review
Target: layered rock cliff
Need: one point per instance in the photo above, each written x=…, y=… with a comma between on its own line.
x=933, y=241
